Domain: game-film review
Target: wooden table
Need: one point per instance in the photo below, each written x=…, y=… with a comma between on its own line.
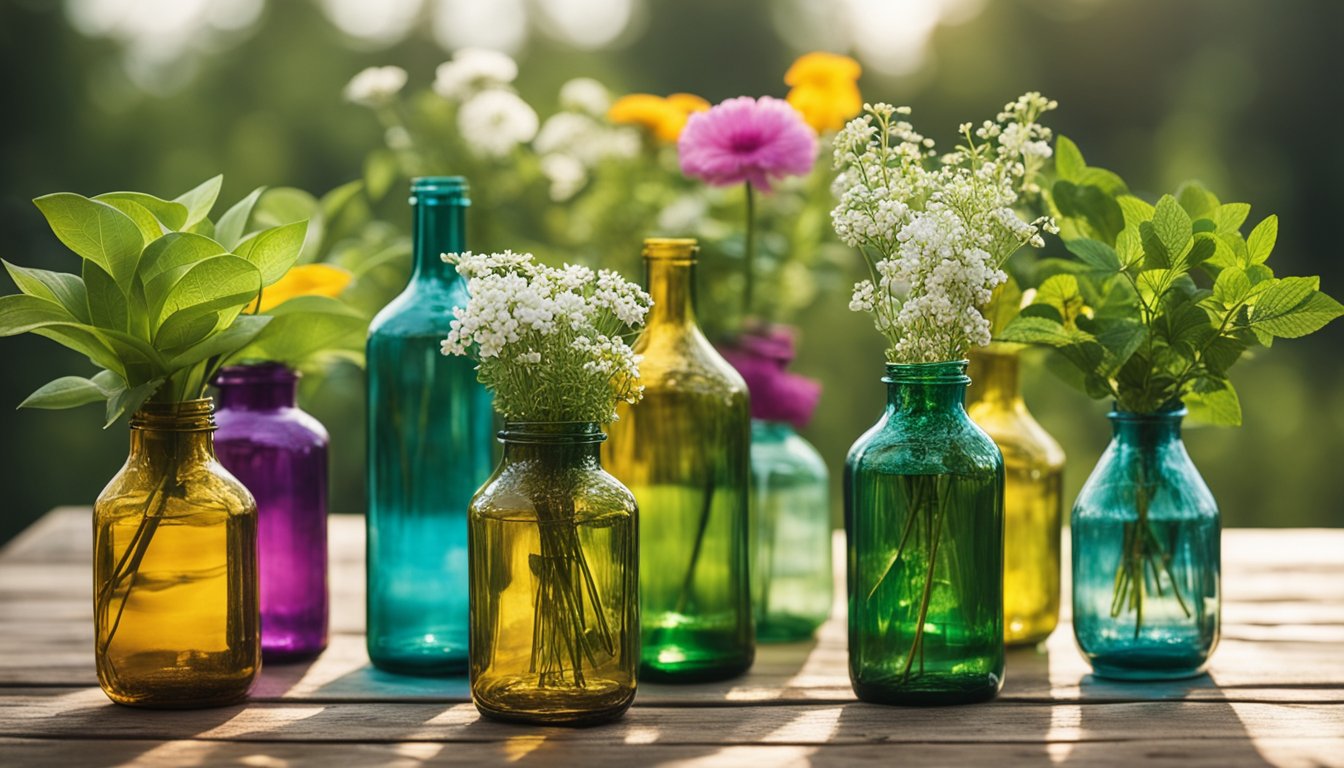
x=1275, y=695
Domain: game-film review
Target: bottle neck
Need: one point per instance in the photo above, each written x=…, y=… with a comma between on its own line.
x=570, y=444
x=438, y=226
x=927, y=388
x=165, y=435
x=262, y=387
x=995, y=376
x=771, y=431
x=1147, y=431
x=671, y=284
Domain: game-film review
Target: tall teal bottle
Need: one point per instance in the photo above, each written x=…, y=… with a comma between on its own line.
x=430, y=443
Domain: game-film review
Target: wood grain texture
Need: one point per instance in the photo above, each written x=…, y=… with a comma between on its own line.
x=1274, y=695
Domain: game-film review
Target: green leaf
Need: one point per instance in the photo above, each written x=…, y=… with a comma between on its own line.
x=1129, y=248
x=200, y=200
x=1261, y=240
x=184, y=330
x=229, y=231
x=1100, y=257
x=1229, y=217
x=150, y=228
x=305, y=326
x=82, y=339
x=108, y=307
x=65, y=289
x=1091, y=205
x=1232, y=287
x=1282, y=296
x=1061, y=292
x=21, y=313
x=1309, y=316
x=238, y=335
x=65, y=392
x=1042, y=331
x=1119, y=337
x=1105, y=180
x=1069, y=163
x=1196, y=200
x=222, y=284
x=1135, y=210
x=125, y=401
x=1172, y=226
x=1004, y=305
x=287, y=205
x=168, y=259
x=1213, y=402
x=275, y=250
x=171, y=215
x=95, y=231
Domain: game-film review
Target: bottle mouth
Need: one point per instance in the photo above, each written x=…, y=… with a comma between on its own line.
x=671, y=249
x=439, y=189
x=185, y=416
x=947, y=372
x=551, y=432
x=256, y=373
x=1173, y=411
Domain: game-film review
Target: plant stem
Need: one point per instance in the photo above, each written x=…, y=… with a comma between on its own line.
x=701, y=529
x=749, y=261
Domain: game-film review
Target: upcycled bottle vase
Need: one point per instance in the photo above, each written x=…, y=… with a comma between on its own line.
x=280, y=453
x=430, y=437
x=1146, y=555
x=924, y=515
x=684, y=452
x=176, y=621
x=791, y=524
x=1032, y=497
x=554, y=581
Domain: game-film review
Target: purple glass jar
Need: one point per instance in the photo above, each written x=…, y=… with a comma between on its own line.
x=280, y=454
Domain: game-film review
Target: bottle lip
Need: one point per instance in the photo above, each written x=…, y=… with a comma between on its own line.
x=256, y=373
x=944, y=372
x=184, y=416
x=671, y=248
x=1174, y=411
x=551, y=432
x=435, y=189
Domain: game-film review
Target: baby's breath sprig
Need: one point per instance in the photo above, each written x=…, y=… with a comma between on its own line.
x=552, y=344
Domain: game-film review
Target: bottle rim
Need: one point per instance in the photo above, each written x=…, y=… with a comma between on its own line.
x=184, y=416
x=671, y=248
x=551, y=432
x=944, y=372
x=256, y=373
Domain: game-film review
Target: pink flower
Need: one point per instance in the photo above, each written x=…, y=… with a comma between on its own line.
x=746, y=139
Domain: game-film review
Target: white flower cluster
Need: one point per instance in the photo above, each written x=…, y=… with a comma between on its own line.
x=550, y=343
x=473, y=70
x=375, y=86
x=494, y=122
x=574, y=141
x=936, y=230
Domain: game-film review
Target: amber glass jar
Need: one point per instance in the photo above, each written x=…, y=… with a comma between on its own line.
x=1032, y=501
x=176, y=613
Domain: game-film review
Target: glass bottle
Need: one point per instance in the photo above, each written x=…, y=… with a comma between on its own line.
x=429, y=449
x=684, y=452
x=175, y=601
x=1032, y=495
x=1146, y=555
x=924, y=516
x=280, y=453
x=554, y=581
x=791, y=524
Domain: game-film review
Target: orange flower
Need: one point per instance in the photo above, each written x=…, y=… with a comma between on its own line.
x=662, y=117
x=825, y=89
x=304, y=280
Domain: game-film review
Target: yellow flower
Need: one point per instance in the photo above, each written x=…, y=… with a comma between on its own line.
x=662, y=117
x=825, y=89
x=304, y=280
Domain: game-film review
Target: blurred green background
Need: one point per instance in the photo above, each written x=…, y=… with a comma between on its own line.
x=158, y=95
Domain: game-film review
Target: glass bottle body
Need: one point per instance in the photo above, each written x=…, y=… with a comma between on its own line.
x=279, y=452
x=1146, y=555
x=176, y=616
x=554, y=582
x=1032, y=496
x=684, y=452
x=429, y=449
x=791, y=523
x=924, y=516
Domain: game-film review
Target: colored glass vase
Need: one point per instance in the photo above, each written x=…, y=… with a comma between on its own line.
x=280, y=453
x=554, y=581
x=1146, y=555
x=429, y=448
x=924, y=516
x=1032, y=495
x=176, y=620
x=791, y=527
x=684, y=452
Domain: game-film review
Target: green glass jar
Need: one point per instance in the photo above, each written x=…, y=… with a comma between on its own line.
x=1032, y=495
x=924, y=516
x=176, y=606
x=791, y=574
x=554, y=581
x=684, y=452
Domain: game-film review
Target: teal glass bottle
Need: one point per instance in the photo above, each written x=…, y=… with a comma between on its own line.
x=684, y=451
x=430, y=446
x=791, y=575
x=924, y=516
x=1146, y=555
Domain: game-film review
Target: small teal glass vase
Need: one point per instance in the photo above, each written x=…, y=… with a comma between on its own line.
x=791, y=528
x=1146, y=555
x=924, y=517
x=430, y=446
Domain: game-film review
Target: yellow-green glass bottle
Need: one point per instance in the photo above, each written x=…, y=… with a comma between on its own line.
x=176, y=607
x=684, y=451
x=1032, y=500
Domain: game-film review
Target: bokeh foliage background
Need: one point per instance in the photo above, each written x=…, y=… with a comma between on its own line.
x=158, y=95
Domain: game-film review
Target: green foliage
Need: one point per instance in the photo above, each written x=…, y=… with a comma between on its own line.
x=1159, y=309
x=157, y=302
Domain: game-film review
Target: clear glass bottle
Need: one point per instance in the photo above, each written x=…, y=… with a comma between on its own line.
x=1032, y=496
x=175, y=604
x=791, y=525
x=280, y=453
x=430, y=447
x=684, y=452
x=924, y=516
x=1146, y=557
x=554, y=581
